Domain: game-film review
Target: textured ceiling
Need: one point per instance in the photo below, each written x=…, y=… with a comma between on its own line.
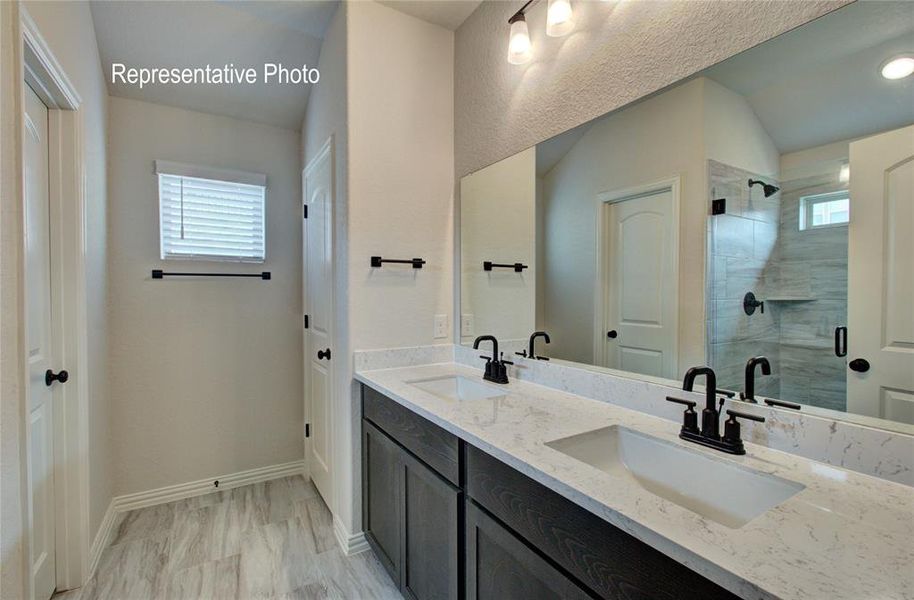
x=194, y=34
x=619, y=52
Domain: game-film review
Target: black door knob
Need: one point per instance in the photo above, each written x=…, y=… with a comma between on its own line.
x=861, y=365
x=612, y=334
x=322, y=354
x=50, y=377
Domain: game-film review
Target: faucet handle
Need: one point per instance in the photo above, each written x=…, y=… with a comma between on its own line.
x=731, y=430
x=689, y=416
x=734, y=414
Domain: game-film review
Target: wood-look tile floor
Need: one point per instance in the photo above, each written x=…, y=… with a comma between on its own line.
x=266, y=540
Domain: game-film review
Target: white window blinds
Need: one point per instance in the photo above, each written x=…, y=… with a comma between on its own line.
x=211, y=214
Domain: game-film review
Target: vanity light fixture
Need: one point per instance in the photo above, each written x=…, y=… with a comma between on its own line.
x=559, y=22
x=520, y=50
x=559, y=18
x=898, y=67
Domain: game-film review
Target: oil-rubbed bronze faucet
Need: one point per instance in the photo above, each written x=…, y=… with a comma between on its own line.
x=496, y=371
x=709, y=434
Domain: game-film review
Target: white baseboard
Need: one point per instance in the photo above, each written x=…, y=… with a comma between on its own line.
x=350, y=543
x=204, y=486
x=102, y=537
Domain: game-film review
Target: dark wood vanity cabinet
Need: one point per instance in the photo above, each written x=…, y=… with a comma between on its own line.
x=411, y=515
x=499, y=565
x=449, y=521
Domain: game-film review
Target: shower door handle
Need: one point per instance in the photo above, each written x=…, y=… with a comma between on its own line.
x=841, y=341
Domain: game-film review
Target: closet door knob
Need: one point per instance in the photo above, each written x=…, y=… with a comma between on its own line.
x=322, y=354
x=50, y=377
x=861, y=365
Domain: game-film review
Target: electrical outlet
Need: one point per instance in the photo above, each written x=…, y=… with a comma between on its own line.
x=466, y=325
x=440, y=326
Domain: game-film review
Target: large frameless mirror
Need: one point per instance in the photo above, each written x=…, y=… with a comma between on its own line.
x=761, y=208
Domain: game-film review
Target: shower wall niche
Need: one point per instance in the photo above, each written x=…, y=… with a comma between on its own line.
x=799, y=273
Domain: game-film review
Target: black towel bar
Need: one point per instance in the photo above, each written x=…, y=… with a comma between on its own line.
x=518, y=267
x=377, y=261
x=160, y=274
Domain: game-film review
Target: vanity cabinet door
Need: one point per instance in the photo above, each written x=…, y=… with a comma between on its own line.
x=382, y=498
x=431, y=535
x=501, y=567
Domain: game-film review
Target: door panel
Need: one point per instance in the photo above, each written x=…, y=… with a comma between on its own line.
x=639, y=285
x=382, y=498
x=880, y=275
x=501, y=567
x=318, y=295
x=431, y=537
x=38, y=342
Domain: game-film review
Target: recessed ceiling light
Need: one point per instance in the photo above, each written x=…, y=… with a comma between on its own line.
x=898, y=67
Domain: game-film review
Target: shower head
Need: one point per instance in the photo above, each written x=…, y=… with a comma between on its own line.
x=769, y=189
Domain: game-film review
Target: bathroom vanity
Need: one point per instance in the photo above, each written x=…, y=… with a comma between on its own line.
x=474, y=490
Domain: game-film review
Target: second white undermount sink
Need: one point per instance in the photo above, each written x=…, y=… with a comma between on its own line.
x=719, y=490
x=457, y=387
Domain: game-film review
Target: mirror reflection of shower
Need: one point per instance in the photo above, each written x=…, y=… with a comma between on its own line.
x=783, y=238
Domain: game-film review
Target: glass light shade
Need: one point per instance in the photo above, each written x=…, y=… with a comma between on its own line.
x=559, y=18
x=844, y=175
x=520, y=50
x=898, y=68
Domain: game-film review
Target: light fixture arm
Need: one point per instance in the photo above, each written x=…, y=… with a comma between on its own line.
x=520, y=13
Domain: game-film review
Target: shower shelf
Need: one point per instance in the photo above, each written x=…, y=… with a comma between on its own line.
x=789, y=299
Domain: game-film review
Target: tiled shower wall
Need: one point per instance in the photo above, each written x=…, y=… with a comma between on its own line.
x=801, y=275
x=741, y=259
x=811, y=264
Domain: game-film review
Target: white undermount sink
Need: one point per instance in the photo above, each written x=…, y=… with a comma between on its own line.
x=716, y=489
x=457, y=387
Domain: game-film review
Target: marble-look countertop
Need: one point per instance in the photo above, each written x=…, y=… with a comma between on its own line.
x=845, y=536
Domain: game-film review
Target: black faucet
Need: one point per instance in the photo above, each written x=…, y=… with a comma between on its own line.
x=496, y=371
x=749, y=394
x=710, y=428
x=530, y=353
x=709, y=435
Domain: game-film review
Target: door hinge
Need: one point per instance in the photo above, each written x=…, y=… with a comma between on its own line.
x=307, y=430
x=304, y=211
x=307, y=322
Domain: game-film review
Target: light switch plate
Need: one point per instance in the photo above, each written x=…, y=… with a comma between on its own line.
x=440, y=326
x=466, y=325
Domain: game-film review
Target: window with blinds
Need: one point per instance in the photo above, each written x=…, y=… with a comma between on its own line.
x=211, y=214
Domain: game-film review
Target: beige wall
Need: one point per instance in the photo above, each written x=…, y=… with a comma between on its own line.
x=12, y=422
x=401, y=165
x=619, y=52
x=498, y=223
x=205, y=374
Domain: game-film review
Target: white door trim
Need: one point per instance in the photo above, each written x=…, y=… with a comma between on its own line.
x=67, y=197
x=326, y=149
x=600, y=294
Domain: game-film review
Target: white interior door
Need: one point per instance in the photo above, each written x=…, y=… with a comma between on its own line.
x=881, y=276
x=40, y=427
x=318, y=236
x=639, y=283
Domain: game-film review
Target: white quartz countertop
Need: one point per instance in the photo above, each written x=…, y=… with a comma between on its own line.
x=845, y=536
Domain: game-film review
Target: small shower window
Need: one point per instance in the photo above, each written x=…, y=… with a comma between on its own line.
x=825, y=210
